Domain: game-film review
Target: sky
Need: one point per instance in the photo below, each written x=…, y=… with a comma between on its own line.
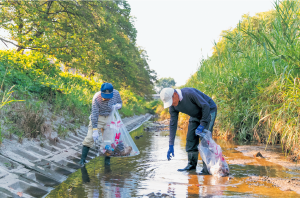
x=178, y=34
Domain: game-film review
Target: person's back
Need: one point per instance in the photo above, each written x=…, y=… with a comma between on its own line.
x=195, y=104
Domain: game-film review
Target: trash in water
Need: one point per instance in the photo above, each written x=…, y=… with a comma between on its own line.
x=211, y=154
x=116, y=140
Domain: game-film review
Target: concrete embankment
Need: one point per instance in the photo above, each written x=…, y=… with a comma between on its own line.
x=33, y=168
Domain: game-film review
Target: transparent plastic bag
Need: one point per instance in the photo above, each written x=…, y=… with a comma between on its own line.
x=211, y=154
x=116, y=139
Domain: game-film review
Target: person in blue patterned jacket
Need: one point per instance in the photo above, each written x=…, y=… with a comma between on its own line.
x=103, y=103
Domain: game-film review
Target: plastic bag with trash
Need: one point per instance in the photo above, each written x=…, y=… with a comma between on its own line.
x=116, y=139
x=211, y=154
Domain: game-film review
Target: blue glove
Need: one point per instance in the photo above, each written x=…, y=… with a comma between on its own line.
x=199, y=130
x=170, y=152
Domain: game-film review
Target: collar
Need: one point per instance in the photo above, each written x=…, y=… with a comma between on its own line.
x=179, y=94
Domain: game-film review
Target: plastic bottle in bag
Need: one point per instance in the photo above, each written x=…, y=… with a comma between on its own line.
x=116, y=139
x=211, y=154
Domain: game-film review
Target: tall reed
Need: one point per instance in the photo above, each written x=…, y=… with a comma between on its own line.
x=253, y=77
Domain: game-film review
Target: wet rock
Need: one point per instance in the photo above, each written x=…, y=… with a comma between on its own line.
x=258, y=155
x=137, y=137
x=294, y=158
x=156, y=126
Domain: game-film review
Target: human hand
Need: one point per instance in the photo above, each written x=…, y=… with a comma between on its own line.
x=95, y=134
x=117, y=106
x=199, y=130
x=170, y=152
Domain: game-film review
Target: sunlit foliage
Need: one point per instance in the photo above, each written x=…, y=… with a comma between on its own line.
x=94, y=37
x=253, y=75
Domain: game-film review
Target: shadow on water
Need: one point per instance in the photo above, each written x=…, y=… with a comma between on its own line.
x=150, y=174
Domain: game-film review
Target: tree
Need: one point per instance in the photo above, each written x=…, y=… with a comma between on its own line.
x=95, y=37
x=165, y=82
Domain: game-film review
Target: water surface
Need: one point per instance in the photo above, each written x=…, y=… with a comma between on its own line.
x=150, y=174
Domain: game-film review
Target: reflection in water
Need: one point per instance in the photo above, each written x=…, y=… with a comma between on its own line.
x=85, y=175
x=205, y=185
x=150, y=174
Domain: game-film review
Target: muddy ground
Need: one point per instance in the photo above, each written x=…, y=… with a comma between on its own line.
x=284, y=184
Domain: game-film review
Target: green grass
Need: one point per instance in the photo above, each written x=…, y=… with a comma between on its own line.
x=34, y=85
x=253, y=75
x=62, y=131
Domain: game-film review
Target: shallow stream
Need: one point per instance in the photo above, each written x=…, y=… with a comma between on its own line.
x=150, y=174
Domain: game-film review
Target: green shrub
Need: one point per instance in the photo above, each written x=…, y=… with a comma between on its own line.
x=36, y=81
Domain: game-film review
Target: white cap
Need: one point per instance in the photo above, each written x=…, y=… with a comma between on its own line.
x=166, y=96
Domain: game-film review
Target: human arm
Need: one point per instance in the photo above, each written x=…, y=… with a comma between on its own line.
x=173, y=124
x=95, y=115
x=173, y=129
x=95, y=110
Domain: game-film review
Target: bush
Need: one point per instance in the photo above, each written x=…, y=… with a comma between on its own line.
x=36, y=81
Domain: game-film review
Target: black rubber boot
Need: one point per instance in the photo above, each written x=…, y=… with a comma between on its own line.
x=204, y=170
x=192, y=162
x=107, y=160
x=85, y=151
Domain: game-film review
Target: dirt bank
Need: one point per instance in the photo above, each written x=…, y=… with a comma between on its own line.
x=271, y=153
x=284, y=184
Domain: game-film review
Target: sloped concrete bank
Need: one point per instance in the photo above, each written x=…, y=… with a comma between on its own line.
x=33, y=168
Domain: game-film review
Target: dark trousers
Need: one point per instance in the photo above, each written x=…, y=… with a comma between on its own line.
x=192, y=141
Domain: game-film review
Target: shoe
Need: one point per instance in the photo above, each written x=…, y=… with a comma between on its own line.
x=192, y=162
x=85, y=151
